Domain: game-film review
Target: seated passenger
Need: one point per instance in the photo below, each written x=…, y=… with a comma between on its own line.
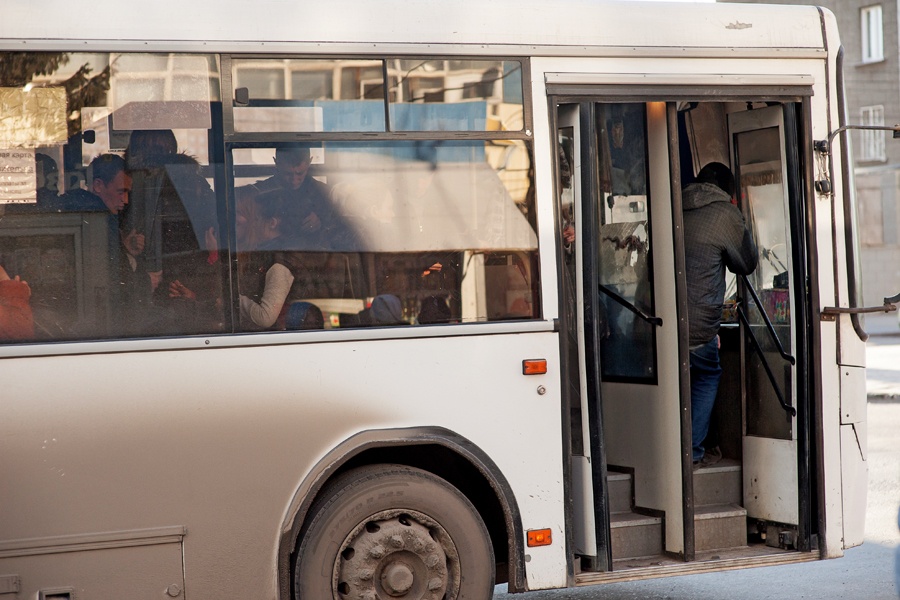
x=130, y=286
x=16, y=321
x=260, y=308
x=190, y=257
x=307, y=201
x=47, y=179
x=385, y=309
x=434, y=310
x=149, y=151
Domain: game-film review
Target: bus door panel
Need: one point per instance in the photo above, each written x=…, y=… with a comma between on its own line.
x=569, y=173
x=769, y=440
x=631, y=217
x=619, y=314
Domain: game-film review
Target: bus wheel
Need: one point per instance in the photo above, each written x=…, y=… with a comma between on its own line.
x=389, y=532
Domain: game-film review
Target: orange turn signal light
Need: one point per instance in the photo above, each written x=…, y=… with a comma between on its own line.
x=534, y=366
x=539, y=537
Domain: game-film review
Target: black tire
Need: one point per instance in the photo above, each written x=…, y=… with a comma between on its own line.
x=393, y=532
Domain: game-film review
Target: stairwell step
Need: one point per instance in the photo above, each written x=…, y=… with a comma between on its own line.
x=619, y=490
x=720, y=526
x=632, y=519
x=634, y=535
x=720, y=484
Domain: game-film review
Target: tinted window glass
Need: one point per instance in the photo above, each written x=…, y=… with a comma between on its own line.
x=309, y=95
x=388, y=233
x=452, y=95
x=628, y=344
x=112, y=220
x=288, y=95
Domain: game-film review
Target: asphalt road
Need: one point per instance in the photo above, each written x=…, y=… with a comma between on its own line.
x=869, y=572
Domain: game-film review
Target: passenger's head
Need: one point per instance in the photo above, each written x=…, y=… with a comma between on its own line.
x=386, y=309
x=565, y=171
x=246, y=219
x=271, y=214
x=617, y=132
x=304, y=315
x=717, y=174
x=291, y=166
x=47, y=173
x=434, y=310
x=150, y=148
x=110, y=181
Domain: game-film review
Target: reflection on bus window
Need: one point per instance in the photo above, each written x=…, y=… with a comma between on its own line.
x=381, y=233
x=309, y=95
x=328, y=235
x=628, y=343
x=119, y=233
x=456, y=95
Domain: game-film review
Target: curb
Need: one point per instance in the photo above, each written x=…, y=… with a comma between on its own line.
x=884, y=398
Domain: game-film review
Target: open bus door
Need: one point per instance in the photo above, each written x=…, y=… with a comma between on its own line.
x=621, y=325
x=772, y=315
x=638, y=501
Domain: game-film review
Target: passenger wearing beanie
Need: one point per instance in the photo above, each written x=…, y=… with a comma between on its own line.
x=715, y=238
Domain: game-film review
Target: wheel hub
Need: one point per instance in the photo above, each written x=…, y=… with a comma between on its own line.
x=397, y=556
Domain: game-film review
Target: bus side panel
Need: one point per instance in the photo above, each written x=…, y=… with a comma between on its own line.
x=136, y=572
x=217, y=441
x=854, y=454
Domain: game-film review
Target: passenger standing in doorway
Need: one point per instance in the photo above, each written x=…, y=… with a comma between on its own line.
x=715, y=237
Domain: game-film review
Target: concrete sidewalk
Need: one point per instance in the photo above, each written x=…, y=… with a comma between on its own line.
x=883, y=357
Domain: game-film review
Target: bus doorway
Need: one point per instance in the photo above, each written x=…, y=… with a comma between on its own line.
x=639, y=500
x=622, y=328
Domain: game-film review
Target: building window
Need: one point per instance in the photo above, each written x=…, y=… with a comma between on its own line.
x=872, y=34
x=872, y=146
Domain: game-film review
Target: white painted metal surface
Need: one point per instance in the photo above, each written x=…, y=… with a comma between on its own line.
x=573, y=25
x=175, y=426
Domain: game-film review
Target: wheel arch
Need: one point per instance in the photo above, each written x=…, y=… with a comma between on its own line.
x=451, y=457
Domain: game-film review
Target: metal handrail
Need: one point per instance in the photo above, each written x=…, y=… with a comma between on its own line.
x=756, y=345
x=765, y=363
x=772, y=333
x=653, y=320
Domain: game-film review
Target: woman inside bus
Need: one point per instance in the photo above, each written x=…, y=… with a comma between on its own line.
x=262, y=305
x=263, y=280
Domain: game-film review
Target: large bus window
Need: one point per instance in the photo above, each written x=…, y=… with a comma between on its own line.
x=628, y=342
x=116, y=232
x=385, y=233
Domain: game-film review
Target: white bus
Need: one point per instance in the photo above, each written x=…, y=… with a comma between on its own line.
x=387, y=300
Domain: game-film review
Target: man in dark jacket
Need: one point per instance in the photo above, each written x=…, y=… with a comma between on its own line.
x=310, y=215
x=715, y=237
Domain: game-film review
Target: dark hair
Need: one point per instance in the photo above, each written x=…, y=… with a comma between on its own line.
x=717, y=174
x=46, y=164
x=292, y=155
x=304, y=315
x=105, y=167
x=150, y=148
x=434, y=310
x=271, y=205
